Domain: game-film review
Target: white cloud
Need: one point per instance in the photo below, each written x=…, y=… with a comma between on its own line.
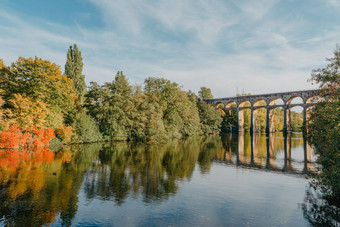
x=256, y=9
x=334, y=2
x=195, y=43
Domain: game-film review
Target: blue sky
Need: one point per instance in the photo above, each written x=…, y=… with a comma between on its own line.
x=257, y=46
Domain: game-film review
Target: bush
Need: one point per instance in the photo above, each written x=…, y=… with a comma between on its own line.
x=86, y=129
x=64, y=133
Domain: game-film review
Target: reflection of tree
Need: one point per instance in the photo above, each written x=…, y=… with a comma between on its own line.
x=40, y=187
x=210, y=145
x=320, y=211
x=149, y=171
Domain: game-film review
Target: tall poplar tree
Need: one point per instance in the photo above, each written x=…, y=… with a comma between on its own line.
x=74, y=70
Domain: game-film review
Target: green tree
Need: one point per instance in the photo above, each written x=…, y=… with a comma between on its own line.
x=74, y=71
x=210, y=117
x=229, y=120
x=178, y=113
x=86, y=129
x=111, y=105
x=205, y=93
x=324, y=127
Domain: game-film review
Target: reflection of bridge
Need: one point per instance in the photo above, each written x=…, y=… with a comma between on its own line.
x=254, y=160
x=253, y=103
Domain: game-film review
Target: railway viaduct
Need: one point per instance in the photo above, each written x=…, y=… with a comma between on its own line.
x=255, y=102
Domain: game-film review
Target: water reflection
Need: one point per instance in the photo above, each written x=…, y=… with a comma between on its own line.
x=41, y=186
x=320, y=211
x=273, y=152
x=37, y=185
x=150, y=171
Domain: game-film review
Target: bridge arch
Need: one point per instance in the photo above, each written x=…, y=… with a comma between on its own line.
x=257, y=102
x=219, y=105
x=313, y=98
x=295, y=99
x=276, y=101
x=230, y=104
x=244, y=103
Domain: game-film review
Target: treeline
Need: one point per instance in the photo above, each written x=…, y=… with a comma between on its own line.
x=41, y=102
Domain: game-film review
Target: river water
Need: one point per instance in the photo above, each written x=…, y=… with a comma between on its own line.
x=229, y=180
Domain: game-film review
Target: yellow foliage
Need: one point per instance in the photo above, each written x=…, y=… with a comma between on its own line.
x=64, y=133
x=26, y=112
x=40, y=80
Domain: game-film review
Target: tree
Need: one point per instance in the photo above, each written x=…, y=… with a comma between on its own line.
x=178, y=113
x=26, y=112
x=229, y=120
x=2, y=63
x=210, y=117
x=86, y=129
x=205, y=93
x=324, y=127
x=40, y=80
x=111, y=106
x=74, y=70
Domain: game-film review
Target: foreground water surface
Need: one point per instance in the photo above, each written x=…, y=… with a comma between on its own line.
x=229, y=180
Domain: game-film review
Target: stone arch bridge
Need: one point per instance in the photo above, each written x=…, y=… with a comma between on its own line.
x=255, y=102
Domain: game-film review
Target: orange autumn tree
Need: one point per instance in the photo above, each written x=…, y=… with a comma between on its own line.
x=39, y=81
x=24, y=125
x=37, y=97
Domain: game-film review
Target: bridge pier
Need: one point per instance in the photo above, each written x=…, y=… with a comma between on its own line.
x=240, y=120
x=267, y=120
x=285, y=120
x=304, y=126
x=237, y=118
x=251, y=120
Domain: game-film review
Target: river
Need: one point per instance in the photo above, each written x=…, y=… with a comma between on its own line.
x=228, y=180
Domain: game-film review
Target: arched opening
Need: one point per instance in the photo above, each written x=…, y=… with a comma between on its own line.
x=259, y=119
x=219, y=105
x=314, y=99
x=260, y=102
x=229, y=122
x=231, y=104
x=295, y=119
x=308, y=112
x=245, y=103
x=276, y=101
x=295, y=100
x=244, y=117
x=277, y=119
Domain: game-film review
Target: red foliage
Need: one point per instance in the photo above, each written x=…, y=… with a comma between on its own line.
x=18, y=137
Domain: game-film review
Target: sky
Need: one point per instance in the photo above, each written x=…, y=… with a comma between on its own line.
x=230, y=46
